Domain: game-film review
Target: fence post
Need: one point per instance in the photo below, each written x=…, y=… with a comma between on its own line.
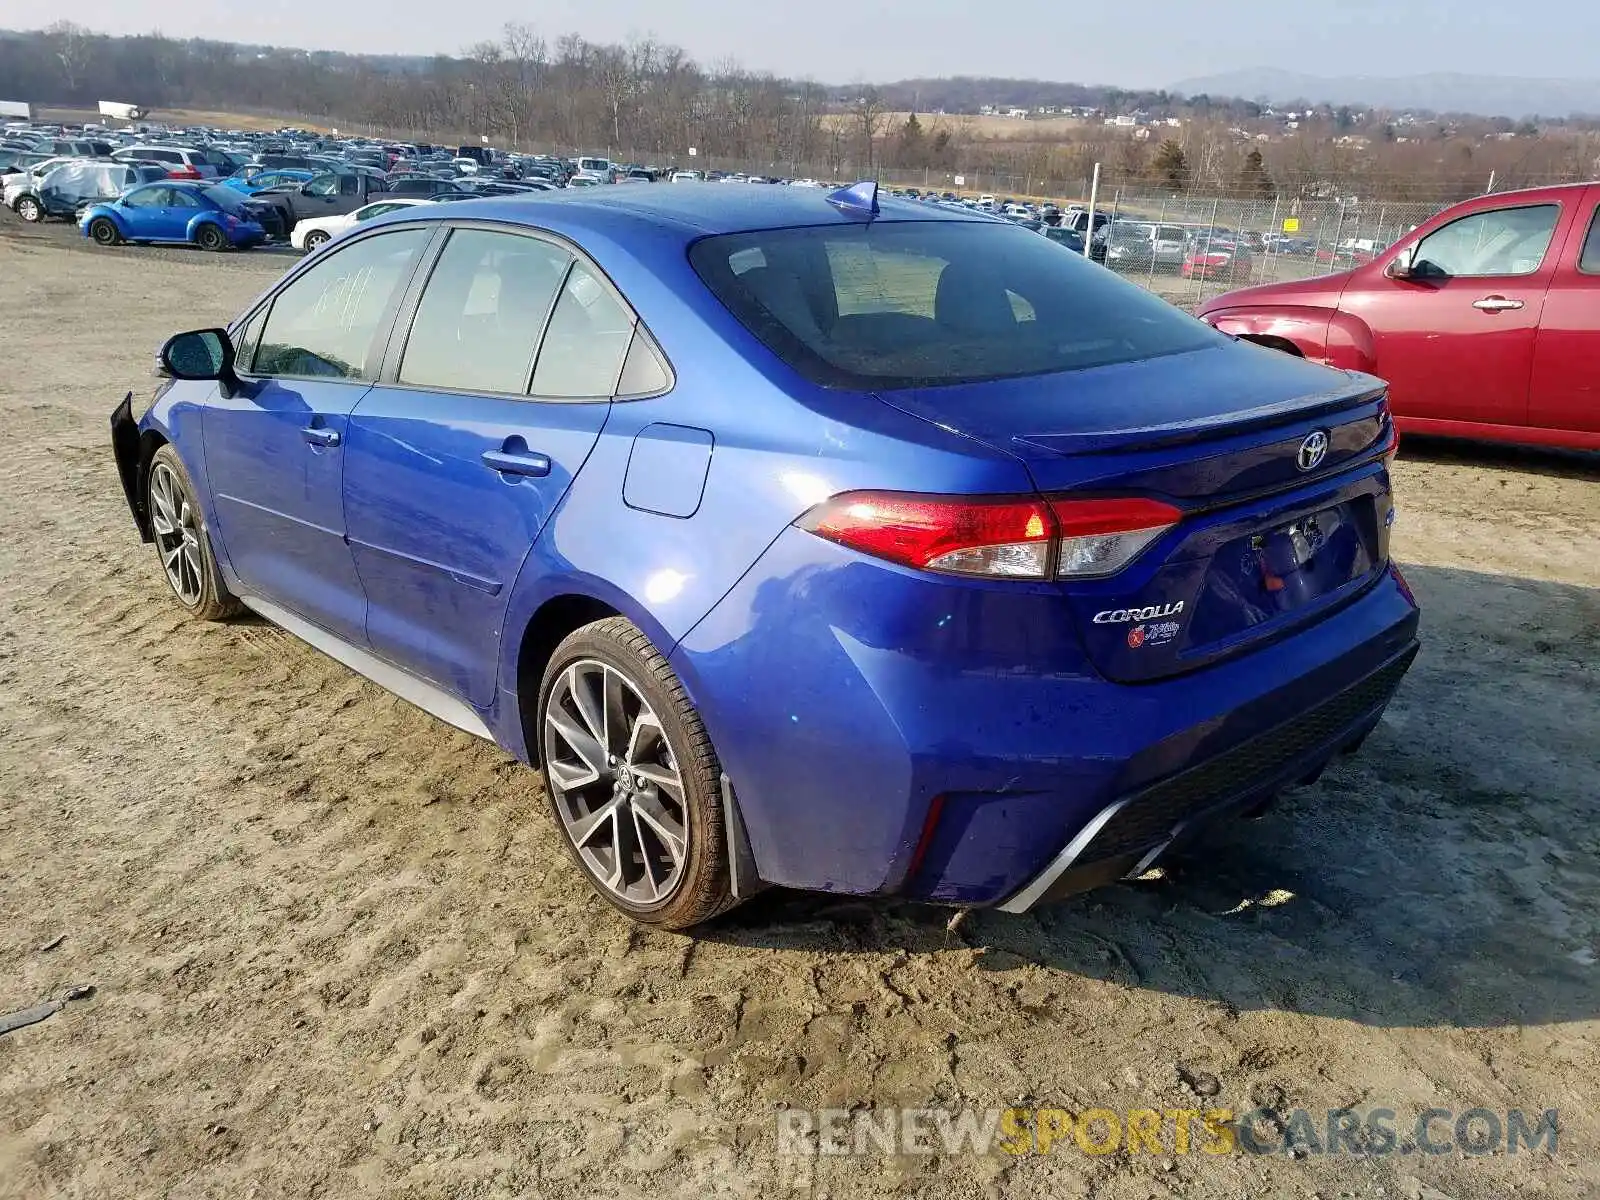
x=1272, y=249
x=1160, y=221
x=1211, y=232
x=1088, y=229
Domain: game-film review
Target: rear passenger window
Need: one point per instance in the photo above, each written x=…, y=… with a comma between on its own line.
x=481, y=313
x=581, y=356
x=328, y=322
x=1589, y=264
x=645, y=372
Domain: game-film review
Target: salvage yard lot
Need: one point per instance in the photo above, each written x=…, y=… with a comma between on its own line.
x=337, y=948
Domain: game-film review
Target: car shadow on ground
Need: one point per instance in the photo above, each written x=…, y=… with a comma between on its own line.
x=1447, y=874
x=1526, y=460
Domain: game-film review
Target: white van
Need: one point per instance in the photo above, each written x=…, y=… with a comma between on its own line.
x=181, y=162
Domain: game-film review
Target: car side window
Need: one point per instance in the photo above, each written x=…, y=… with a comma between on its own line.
x=1499, y=242
x=1589, y=262
x=246, y=340
x=323, y=185
x=481, y=312
x=645, y=372
x=328, y=323
x=183, y=199
x=588, y=337
x=152, y=197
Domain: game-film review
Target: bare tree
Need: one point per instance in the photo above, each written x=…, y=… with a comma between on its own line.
x=72, y=48
x=867, y=112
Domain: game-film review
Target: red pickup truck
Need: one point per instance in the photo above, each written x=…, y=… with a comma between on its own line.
x=1485, y=320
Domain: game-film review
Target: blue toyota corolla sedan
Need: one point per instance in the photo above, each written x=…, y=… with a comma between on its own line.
x=799, y=539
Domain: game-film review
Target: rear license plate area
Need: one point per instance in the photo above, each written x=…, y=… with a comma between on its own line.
x=1260, y=576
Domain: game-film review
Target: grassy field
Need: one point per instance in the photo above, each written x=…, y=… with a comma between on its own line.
x=185, y=116
x=974, y=126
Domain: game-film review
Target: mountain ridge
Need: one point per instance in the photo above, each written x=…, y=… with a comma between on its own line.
x=1438, y=91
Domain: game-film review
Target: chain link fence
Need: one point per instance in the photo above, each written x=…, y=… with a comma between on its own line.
x=1188, y=247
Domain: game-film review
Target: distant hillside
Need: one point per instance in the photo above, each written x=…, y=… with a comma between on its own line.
x=1442, y=92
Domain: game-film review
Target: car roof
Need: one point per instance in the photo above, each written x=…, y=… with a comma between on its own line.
x=692, y=210
x=1549, y=191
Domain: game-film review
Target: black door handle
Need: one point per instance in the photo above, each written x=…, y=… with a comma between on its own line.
x=526, y=463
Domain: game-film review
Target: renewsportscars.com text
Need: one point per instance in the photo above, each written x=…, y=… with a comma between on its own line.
x=1174, y=1131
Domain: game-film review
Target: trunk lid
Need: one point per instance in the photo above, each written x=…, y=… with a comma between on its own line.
x=1266, y=544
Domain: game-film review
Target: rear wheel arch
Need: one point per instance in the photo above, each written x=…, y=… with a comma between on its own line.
x=208, y=235
x=551, y=624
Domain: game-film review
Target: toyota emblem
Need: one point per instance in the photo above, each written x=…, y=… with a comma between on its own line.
x=1313, y=450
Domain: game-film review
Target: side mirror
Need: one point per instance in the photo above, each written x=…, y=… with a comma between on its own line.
x=1403, y=265
x=200, y=354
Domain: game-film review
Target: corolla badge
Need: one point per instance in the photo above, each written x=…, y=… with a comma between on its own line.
x=1126, y=616
x=1313, y=450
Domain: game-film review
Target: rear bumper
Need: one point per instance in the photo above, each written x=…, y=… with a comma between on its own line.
x=845, y=697
x=1126, y=836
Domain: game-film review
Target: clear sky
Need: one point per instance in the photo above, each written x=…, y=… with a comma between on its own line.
x=1148, y=43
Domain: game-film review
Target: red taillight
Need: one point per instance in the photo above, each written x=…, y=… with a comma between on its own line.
x=1400, y=581
x=930, y=826
x=1391, y=444
x=1012, y=537
x=1100, y=537
x=962, y=535
x=183, y=173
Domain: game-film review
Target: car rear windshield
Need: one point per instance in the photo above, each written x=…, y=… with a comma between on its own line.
x=895, y=304
x=227, y=199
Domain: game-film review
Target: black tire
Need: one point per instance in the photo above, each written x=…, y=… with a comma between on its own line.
x=104, y=231
x=208, y=599
x=703, y=889
x=30, y=210
x=209, y=237
x=316, y=239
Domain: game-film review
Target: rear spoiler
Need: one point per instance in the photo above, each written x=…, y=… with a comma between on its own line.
x=1367, y=391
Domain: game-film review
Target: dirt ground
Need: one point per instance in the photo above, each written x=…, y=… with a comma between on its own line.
x=336, y=949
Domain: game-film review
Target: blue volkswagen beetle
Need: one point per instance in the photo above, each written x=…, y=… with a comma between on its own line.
x=209, y=216
x=798, y=538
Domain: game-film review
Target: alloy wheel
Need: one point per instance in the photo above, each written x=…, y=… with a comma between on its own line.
x=177, y=531
x=616, y=783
